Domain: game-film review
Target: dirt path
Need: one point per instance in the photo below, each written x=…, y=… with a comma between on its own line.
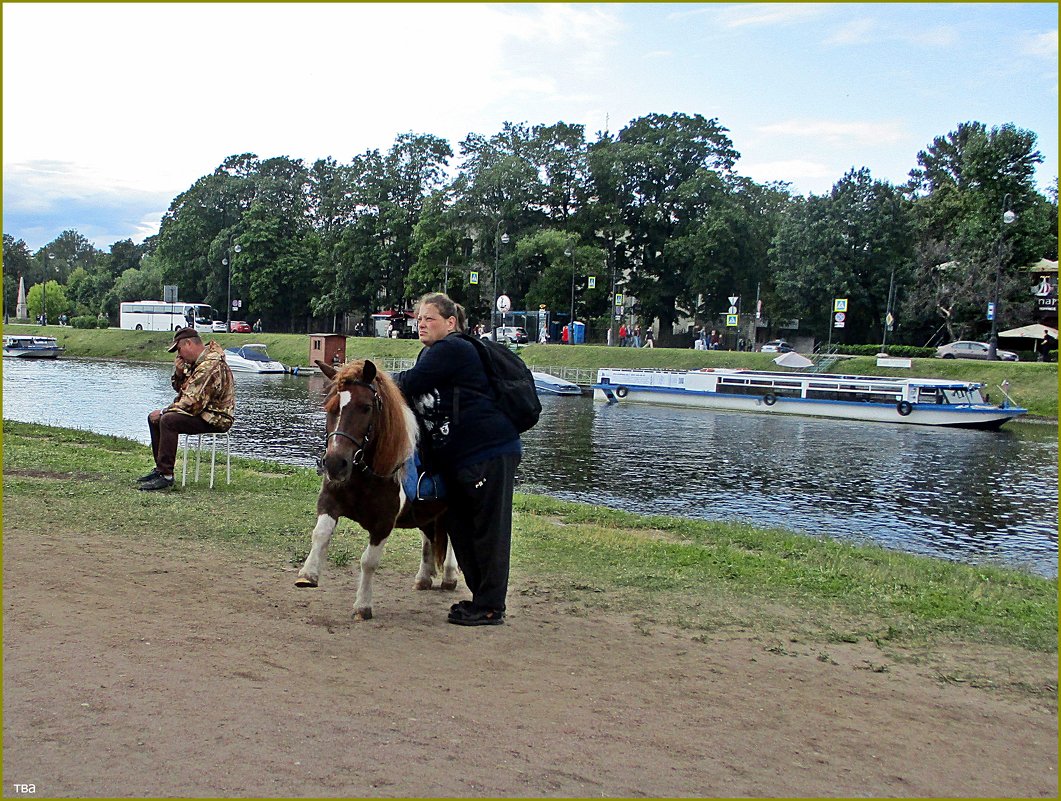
x=148, y=670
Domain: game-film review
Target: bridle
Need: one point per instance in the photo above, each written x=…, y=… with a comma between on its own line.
x=360, y=447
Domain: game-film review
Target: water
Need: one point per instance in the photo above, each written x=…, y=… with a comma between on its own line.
x=974, y=496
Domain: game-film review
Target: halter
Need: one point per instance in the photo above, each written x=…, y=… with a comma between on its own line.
x=358, y=459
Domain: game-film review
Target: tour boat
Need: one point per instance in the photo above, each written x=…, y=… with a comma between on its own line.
x=31, y=347
x=551, y=385
x=252, y=358
x=917, y=401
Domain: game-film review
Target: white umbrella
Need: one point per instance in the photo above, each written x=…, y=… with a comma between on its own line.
x=793, y=359
x=1034, y=331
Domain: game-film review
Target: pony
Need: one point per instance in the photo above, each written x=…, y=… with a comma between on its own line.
x=371, y=434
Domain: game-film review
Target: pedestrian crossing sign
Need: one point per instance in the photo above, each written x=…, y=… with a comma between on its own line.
x=473, y=278
x=731, y=321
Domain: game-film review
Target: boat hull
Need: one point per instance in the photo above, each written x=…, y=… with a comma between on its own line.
x=32, y=353
x=914, y=401
x=547, y=384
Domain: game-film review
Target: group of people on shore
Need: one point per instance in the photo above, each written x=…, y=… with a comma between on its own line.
x=470, y=441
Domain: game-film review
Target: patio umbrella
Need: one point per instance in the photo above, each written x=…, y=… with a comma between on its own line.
x=1034, y=331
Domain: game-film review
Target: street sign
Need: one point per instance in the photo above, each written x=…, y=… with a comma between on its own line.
x=473, y=277
x=839, y=304
x=733, y=300
x=889, y=320
x=732, y=310
x=592, y=282
x=504, y=304
x=731, y=321
x=838, y=319
x=990, y=311
x=169, y=293
x=618, y=298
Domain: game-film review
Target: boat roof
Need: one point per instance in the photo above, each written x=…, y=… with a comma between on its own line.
x=800, y=376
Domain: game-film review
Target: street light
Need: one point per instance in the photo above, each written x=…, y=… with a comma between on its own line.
x=1008, y=217
x=228, y=309
x=571, y=319
x=44, y=289
x=497, y=255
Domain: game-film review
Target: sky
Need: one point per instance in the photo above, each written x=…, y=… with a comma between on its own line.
x=112, y=110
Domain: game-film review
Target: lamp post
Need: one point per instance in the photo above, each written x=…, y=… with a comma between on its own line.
x=571, y=319
x=888, y=312
x=1008, y=217
x=44, y=288
x=228, y=305
x=497, y=256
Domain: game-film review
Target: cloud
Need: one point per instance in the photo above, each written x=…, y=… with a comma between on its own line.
x=768, y=14
x=813, y=176
x=1041, y=45
x=858, y=31
x=831, y=131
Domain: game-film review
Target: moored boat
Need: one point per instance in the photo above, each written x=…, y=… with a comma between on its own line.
x=252, y=358
x=31, y=347
x=547, y=384
x=917, y=401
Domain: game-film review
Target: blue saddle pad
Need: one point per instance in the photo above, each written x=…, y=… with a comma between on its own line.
x=419, y=485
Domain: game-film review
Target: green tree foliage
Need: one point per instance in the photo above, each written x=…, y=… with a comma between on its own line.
x=50, y=294
x=660, y=205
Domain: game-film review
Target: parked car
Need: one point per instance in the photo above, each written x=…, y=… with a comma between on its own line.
x=776, y=346
x=219, y=326
x=964, y=349
x=239, y=327
x=512, y=333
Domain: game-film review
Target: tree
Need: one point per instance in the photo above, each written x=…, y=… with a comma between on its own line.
x=49, y=297
x=842, y=245
x=17, y=263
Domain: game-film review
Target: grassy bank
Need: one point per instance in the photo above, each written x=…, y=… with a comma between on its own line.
x=701, y=577
x=1032, y=385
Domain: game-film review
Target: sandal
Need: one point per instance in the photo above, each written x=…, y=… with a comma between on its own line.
x=465, y=604
x=470, y=616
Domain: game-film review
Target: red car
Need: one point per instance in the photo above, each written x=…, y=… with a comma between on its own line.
x=239, y=327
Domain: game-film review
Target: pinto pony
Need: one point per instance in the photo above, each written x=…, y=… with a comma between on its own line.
x=372, y=432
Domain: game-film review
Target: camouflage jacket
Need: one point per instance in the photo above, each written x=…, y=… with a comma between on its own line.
x=209, y=392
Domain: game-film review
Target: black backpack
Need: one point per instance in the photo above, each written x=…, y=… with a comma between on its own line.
x=511, y=379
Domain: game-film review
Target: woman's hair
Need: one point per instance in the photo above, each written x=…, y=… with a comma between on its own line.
x=447, y=307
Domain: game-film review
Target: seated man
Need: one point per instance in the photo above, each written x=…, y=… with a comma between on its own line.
x=206, y=403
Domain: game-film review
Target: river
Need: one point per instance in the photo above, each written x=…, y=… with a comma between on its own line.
x=972, y=496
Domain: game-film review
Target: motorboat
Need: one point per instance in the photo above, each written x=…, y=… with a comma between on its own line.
x=551, y=385
x=252, y=358
x=917, y=401
x=31, y=347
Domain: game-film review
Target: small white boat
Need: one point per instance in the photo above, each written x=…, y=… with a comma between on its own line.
x=551, y=385
x=917, y=401
x=31, y=347
x=252, y=358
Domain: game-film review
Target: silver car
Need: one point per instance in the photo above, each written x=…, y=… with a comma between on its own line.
x=965, y=349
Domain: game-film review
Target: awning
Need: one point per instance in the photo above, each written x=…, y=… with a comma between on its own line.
x=1034, y=331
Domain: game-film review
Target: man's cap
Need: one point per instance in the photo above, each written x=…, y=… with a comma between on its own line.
x=182, y=334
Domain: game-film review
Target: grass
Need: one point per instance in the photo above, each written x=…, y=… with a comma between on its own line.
x=698, y=576
x=1033, y=385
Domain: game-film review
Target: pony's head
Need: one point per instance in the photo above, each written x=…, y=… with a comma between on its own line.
x=370, y=427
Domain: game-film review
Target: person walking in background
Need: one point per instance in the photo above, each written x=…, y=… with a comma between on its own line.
x=476, y=449
x=714, y=342
x=622, y=335
x=648, y=338
x=205, y=403
x=543, y=336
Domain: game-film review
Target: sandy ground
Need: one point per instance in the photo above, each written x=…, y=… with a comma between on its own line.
x=143, y=669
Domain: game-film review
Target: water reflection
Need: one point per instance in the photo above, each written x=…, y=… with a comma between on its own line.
x=969, y=495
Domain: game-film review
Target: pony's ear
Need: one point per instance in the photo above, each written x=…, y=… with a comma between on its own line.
x=368, y=372
x=326, y=368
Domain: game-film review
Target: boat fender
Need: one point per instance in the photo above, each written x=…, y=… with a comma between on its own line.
x=769, y=399
x=904, y=408
x=621, y=392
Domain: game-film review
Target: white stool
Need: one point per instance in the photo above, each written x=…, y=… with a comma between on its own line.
x=213, y=456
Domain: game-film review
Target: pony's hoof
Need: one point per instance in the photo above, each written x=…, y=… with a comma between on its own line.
x=305, y=581
x=423, y=584
x=449, y=585
x=363, y=614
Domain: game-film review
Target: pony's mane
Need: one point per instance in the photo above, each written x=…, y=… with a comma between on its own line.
x=396, y=431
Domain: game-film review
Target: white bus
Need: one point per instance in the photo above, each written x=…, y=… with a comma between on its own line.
x=154, y=315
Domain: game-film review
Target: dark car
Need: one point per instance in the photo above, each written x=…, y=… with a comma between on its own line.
x=239, y=327
x=964, y=349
